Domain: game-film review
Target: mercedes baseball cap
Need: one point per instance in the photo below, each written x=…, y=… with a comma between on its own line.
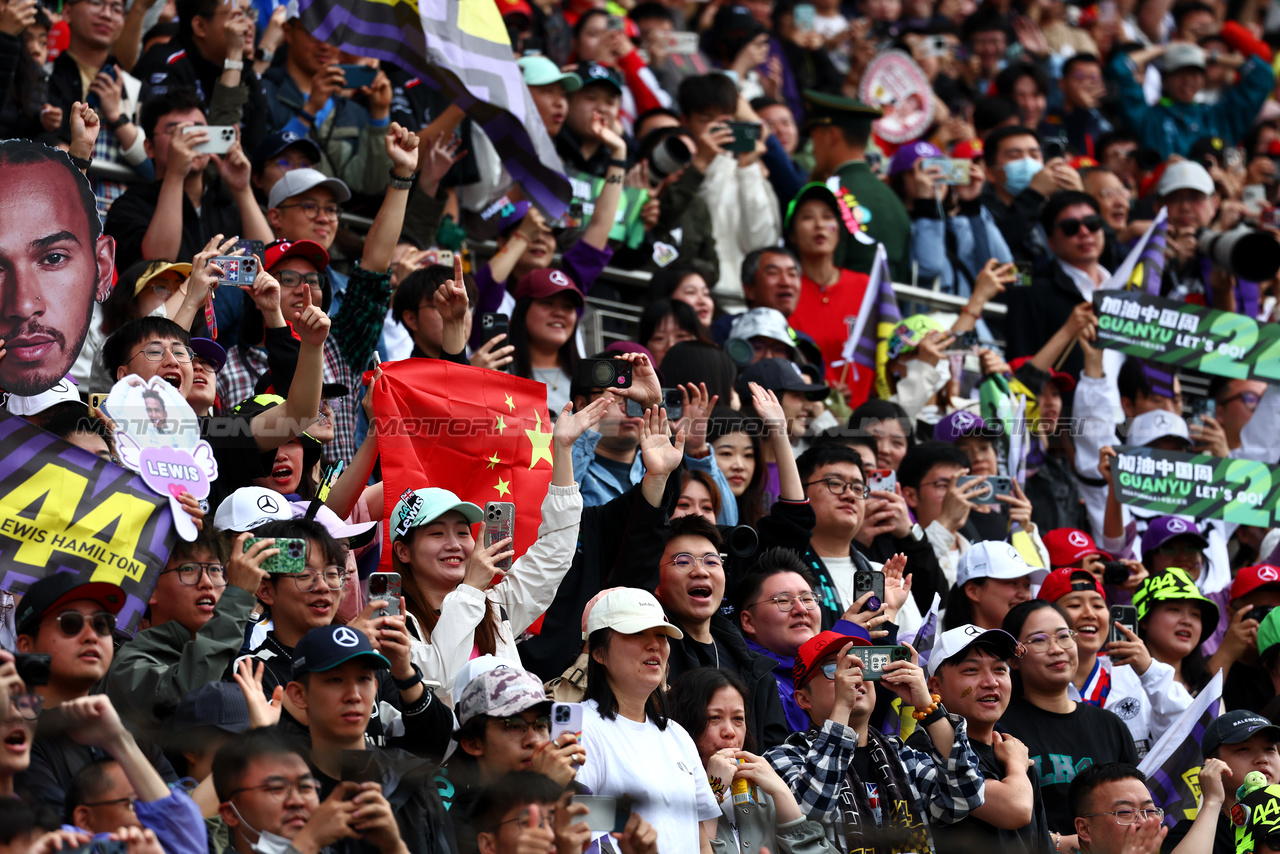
x=629, y=611
x=995, y=559
x=297, y=181
x=1251, y=578
x=211, y=351
x=329, y=646
x=500, y=693
x=1069, y=546
x=779, y=375
x=1066, y=580
x=1162, y=529
x=1157, y=424
x=763, y=322
x=540, y=71
x=954, y=642
x=59, y=589
x=962, y=423
x=277, y=142
x=904, y=159
x=1184, y=175
x=1235, y=727
x=1175, y=585
x=594, y=73
x=249, y=508
x=282, y=249
x=818, y=647
x=546, y=284
x=421, y=506
x=216, y=705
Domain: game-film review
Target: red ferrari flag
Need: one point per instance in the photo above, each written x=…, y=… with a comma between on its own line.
x=481, y=434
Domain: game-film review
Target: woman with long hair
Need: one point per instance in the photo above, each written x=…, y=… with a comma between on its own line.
x=632, y=747
x=667, y=322
x=543, y=324
x=454, y=605
x=737, y=442
x=991, y=577
x=684, y=283
x=712, y=705
x=1174, y=618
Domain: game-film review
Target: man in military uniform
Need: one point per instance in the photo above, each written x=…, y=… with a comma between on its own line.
x=840, y=129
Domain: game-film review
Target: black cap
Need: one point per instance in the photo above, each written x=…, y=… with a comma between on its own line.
x=325, y=648
x=594, y=72
x=220, y=705
x=54, y=591
x=823, y=109
x=779, y=375
x=1205, y=146
x=278, y=142
x=1235, y=727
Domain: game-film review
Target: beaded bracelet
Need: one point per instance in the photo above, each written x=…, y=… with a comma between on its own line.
x=921, y=714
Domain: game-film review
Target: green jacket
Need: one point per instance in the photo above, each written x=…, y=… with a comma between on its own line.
x=871, y=207
x=161, y=665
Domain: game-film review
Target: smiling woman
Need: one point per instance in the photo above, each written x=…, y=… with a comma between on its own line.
x=543, y=324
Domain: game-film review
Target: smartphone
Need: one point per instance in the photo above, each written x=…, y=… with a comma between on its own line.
x=443, y=257
x=936, y=46
x=1198, y=406
x=221, y=138
x=683, y=43
x=575, y=217
x=745, y=136
x=359, y=766
x=237, y=269
x=615, y=22
x=499, y=524
x=33, y=668
x=803, y=15
x=385, y=586
x=251, y=248
x=96, y=399
x=566, y=717
x=604, y=814
x=603, y=373
x=882, y=480
x=876, y=658
x=1127, y=616
x=1054, y=147
x=101, y=846
x=1258, y=612
x=1114, y=573
x=358, y=76
x=869, y=579
x=1025, y=274
x=996, y=485
x=672, y=402
x=955, y=171
x=493, y=324
x=966, y=343
x=292, y=559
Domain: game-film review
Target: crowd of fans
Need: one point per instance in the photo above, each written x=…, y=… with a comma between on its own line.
x=721, y=539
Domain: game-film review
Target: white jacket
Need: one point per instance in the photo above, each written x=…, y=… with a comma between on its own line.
x=744, y=216
x=1148, y=704
x=523, y=596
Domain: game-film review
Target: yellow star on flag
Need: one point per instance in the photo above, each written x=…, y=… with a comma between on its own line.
x=503, y=487
x=541, y=441
x=493, y=460
x=501, y=425
x=511, y=403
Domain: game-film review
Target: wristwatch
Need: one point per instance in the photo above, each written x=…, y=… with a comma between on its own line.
x=415, y=679
x=232, y=65
x=916, y=533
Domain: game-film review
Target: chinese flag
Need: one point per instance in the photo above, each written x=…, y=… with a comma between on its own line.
x=481, y=434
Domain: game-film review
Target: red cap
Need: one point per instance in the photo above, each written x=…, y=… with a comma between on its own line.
x=1068, y=546
x=544, y=284
x=515, y=7
x=968, y=149
x=1251, y=578
x=818, y=647
x=282, y=249
x=1060, y=582
x=1066, y=382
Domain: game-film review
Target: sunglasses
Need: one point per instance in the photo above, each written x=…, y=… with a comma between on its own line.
x=72, y=623
x=1071, y=227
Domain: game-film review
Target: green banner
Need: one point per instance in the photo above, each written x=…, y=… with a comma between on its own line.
x=627, y=227
x=1222, y=343
x=1197, y=485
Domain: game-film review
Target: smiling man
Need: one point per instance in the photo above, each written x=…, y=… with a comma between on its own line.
x=54, y=263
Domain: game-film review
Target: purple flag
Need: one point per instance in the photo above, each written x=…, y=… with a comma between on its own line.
x=1144, y=265
x=1173, y=764
x=868, y=342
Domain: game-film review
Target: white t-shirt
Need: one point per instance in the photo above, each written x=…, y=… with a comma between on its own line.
x=841, y=571
x=659, y=769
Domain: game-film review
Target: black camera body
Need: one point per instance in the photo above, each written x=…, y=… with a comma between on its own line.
x=603, y=374
x=1114, y=573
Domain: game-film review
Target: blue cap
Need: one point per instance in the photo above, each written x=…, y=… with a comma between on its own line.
x=327, y=647
x=278, y=142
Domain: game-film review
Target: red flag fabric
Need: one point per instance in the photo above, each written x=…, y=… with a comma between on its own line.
x=481, y=434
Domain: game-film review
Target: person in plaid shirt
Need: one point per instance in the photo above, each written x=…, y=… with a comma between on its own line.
x=871, y=791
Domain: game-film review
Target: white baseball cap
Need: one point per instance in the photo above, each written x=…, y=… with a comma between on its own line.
x=1157, y=424
x=251, y=507
x=995, y=559
x=955, y=641
x=1184, y=175
x=629, y=611
x=297, y=181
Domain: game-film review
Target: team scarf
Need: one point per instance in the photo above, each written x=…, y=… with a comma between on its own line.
x=904, y=830
x=1098, y=685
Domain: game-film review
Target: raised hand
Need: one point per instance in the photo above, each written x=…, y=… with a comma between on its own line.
x=235, y=167
x=401, y=145
x=769, y=409
x=660, y=456
x=1131, y=651
x=697, y=404
x=451, y=297
x=570, y=425
x=262, y=712
x=85, y=126
x=481, y=570
x=311, y=323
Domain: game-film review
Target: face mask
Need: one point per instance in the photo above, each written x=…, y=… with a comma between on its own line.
x=1018, y=174
x=267, y=842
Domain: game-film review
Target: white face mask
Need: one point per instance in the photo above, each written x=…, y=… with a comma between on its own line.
x=267, y=842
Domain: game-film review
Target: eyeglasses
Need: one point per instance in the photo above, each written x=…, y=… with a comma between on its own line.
x=191, y=573
x=1071, y=227
x=72, y=623
x=1039, y=644
x=313, y=210
x=839, y=487
x=940, y=483
x=546, y=819
x=25, y=707
x=1248, y=398
x=131, y=801
x=116, y=9
x=290, y=279
x=277, y=788
x=1129, y=815
x=1114, y=193
x=785, y=603
x=686, y=562
x=309, y=582
x=518, y=726
x=155, y=352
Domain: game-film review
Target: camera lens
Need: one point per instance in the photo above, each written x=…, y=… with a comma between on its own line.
x=602, y=374
x=562, y=715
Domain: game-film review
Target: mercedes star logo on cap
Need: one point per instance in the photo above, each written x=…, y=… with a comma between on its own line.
x=1078, y=539
x=559, y=278
x=267, y=504
x=346, y=637
x=1176, y=525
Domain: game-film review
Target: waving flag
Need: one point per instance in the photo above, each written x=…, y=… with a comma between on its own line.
x=460, y=49
x=1173, y=765
x=1144, y=265
x=868, y=342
